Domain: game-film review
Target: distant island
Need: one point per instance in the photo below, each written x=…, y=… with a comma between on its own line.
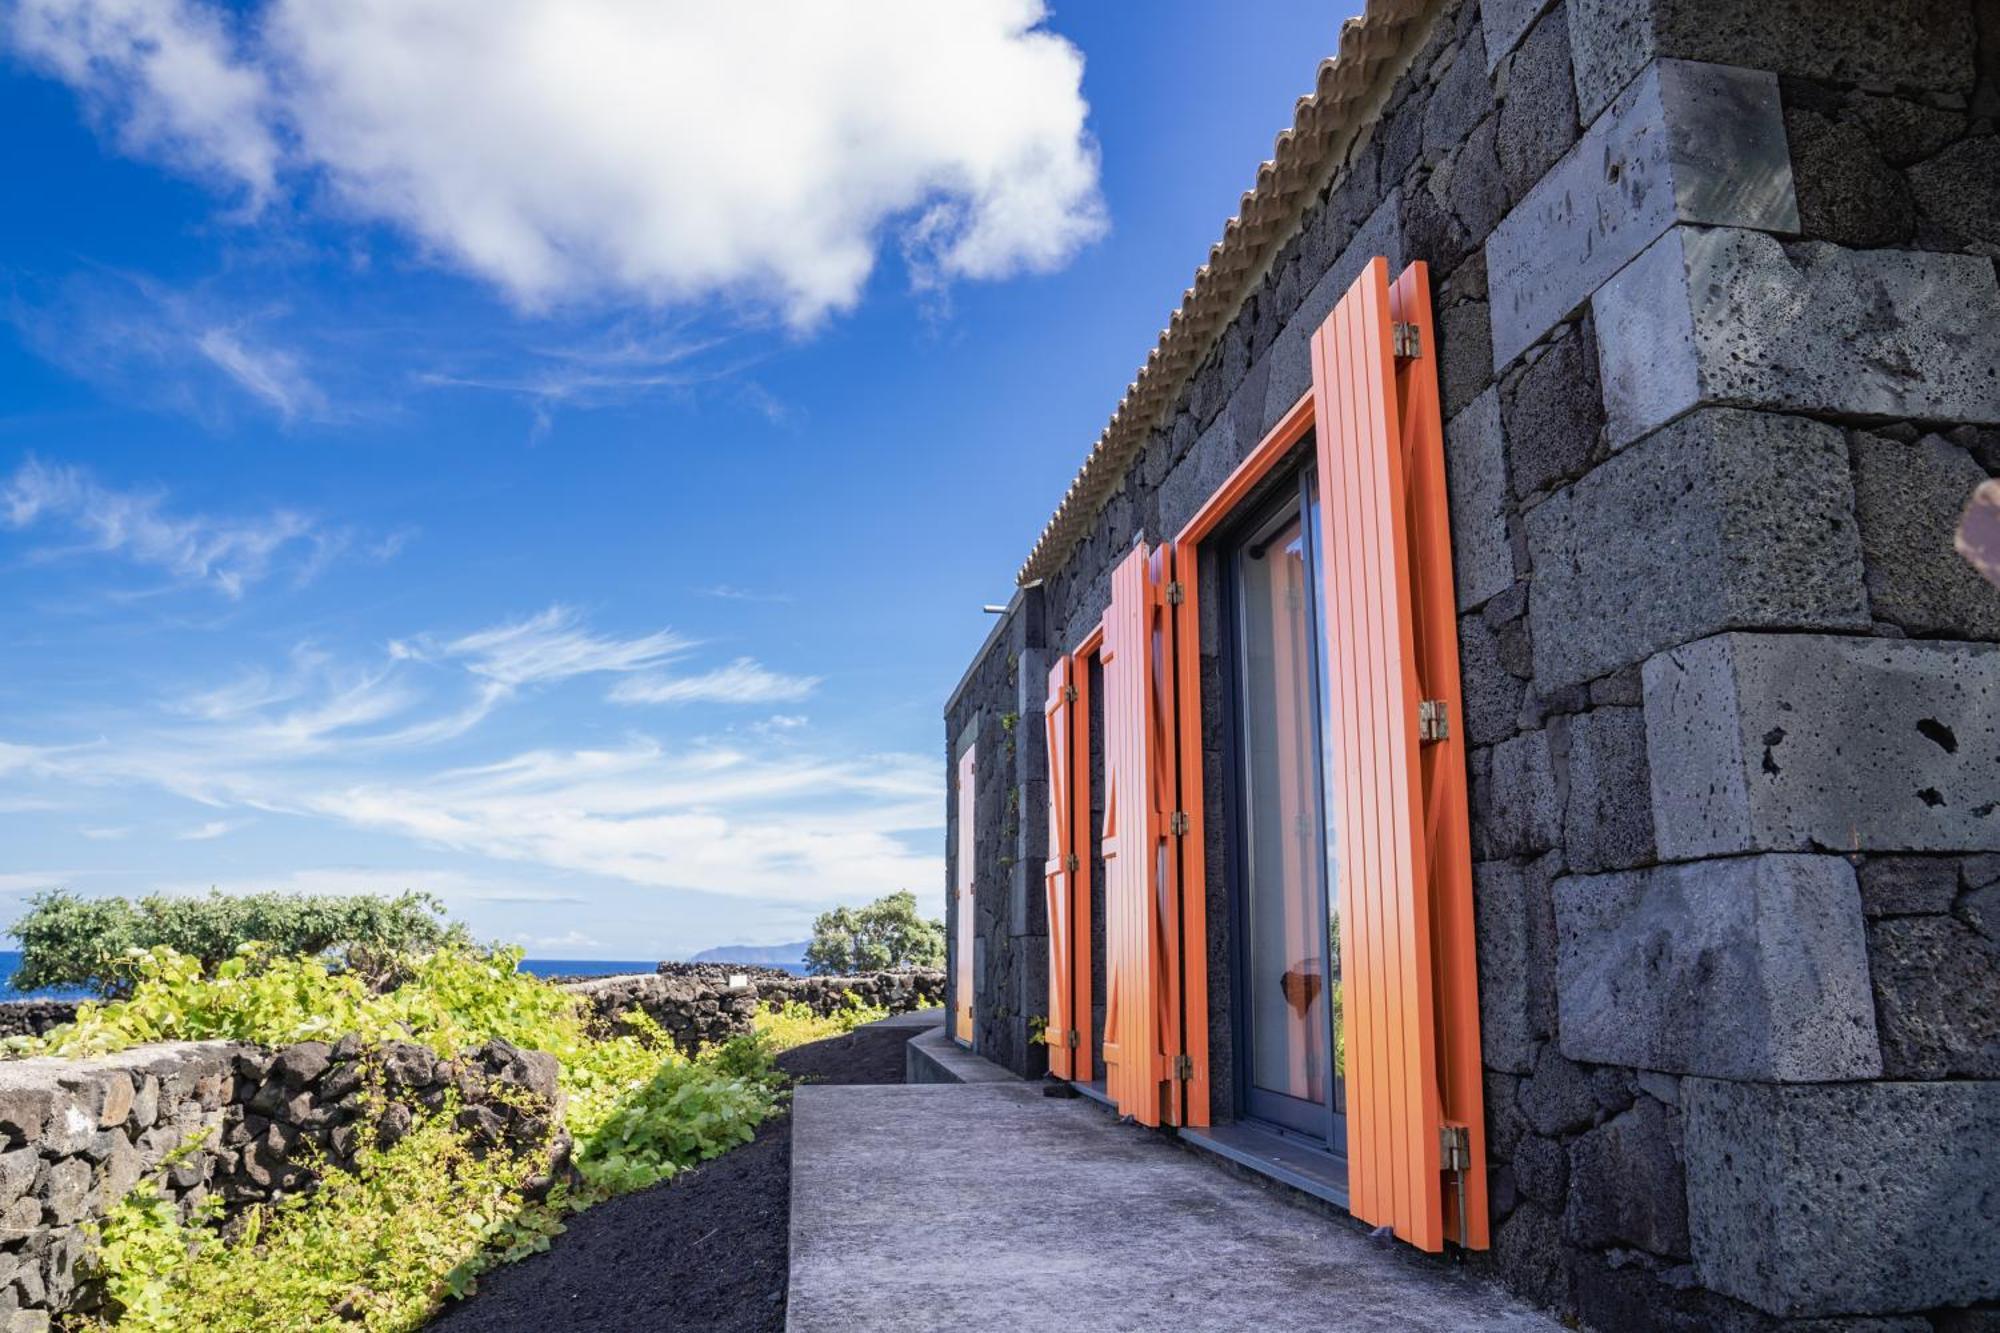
x=769, y=955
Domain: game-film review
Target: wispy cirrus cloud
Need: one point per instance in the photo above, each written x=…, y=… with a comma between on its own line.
x=744, y=681
x=553, y=645
x=267, y=373
x=398, y=746
x=229, y=555
x=759, y=152
x=187, y=351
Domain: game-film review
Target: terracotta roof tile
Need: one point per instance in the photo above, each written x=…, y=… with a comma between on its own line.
x=1343, y=102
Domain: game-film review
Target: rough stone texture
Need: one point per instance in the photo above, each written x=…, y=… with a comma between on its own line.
x=1289, y=361
x=1608, y=821
x=1554, y=415
x=1687, y=143
x=1910, y=43
x=1513, y=1012
x=1937, y=998
x=1538, y=119
x=1795, y=742
x=1519, y=805
x=1847, y=193
x=1721, y=315
x=1750, y=968
x=1475, y=462
x=1908, y=498
x=1845, y=1199
x=1627, y=1185
x=1772, y=544
x=1959, y=189
x=1907, y=885
x=1505, y=21
x=1491, y=694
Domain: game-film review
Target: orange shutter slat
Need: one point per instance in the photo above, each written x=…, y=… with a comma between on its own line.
x=1058, y=875
x=1374, y=618
x=1447, y=826
x=1141, y=899
x=967, y=858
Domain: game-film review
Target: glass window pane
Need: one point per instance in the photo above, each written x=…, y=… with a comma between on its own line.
x=1287, y=962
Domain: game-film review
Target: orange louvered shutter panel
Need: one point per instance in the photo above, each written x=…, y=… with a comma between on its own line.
x=1410, y=1003
x=961, y=1017
x=1142, y=1017
x=1061, y=872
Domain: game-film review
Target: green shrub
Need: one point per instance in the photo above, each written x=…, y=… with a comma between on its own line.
x=379, y=1247
x=72, y=941
x=382, y=1245
x=888, y=935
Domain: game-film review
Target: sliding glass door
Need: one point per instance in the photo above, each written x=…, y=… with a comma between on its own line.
x=1288, y=957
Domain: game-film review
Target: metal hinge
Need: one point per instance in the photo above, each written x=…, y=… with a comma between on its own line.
x=1075, y=1040
x=1408, y=342
x=1183, y=1068
x=1433, y=722
x=1455, y=1147
x=1071, y=864
x=1069, y=694
x=1177, y=823
x=1176, y=594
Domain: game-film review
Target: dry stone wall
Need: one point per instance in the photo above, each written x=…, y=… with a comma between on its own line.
x=1718, y=326
x=699, y=1007
x=77, y=1134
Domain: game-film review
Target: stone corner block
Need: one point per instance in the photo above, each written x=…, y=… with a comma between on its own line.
x=1752, y=967
x=1723, y=315
x=1685, y=143
x=1851, y=1199
x=1803, y=742
x=1725, y=519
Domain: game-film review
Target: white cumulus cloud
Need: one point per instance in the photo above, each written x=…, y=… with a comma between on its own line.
x=758, y=151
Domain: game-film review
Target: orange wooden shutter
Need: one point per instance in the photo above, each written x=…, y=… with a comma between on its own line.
x=1061, y=872
x=1142, y=1022
x=1410, y=1008
x=967, y=857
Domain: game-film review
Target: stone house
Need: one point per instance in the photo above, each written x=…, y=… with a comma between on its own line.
x=1496, y=735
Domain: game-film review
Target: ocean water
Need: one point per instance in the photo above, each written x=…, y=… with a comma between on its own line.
x=10, y=961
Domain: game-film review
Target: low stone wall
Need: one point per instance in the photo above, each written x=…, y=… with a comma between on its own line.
x=79, y=1134
x=698, y=1009
x=31, y=1018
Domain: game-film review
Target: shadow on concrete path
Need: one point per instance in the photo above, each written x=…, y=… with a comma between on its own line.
x=991, y=1206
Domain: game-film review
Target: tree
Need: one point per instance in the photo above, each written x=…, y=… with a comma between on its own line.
x=72, y=941
x=888, y=935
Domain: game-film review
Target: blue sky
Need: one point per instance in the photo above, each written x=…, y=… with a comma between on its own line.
x=554, y=454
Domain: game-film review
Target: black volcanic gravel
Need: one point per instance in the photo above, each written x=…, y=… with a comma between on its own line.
x=707, y=1250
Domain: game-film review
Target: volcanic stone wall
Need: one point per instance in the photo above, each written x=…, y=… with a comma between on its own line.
x=699, y=1007
x=998, y=707
x=77, y=1135
x=1720, y=360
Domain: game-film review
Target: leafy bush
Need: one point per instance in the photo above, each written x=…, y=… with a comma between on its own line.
x=888, y=935
x=382, y=1245
x=379, y=1247
x=72, y=941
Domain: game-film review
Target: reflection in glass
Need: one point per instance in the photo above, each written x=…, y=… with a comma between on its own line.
x=1288, y=927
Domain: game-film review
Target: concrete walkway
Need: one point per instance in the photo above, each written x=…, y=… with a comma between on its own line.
x=990, y=1206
